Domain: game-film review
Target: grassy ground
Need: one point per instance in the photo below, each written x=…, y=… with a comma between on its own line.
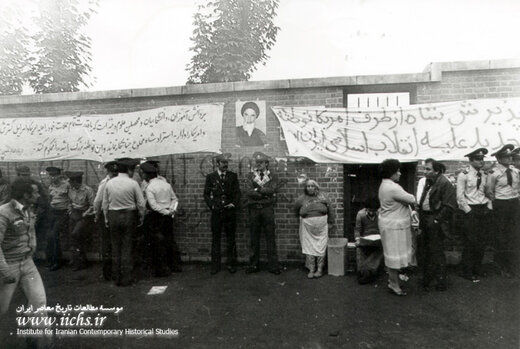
x=289, y=311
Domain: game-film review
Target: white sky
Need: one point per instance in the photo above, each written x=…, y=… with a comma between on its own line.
x=145, y=43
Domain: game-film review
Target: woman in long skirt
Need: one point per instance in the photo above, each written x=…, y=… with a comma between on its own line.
x=395, y=223
x=316, y=218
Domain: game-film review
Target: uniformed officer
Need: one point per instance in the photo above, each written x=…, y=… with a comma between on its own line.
x=262, y=186
x=106, y=245
x=471, y=198
x=58, y=215
x=222, y=195
x=81, y=214
x=503, y=182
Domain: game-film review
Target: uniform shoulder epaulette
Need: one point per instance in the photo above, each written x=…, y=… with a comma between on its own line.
x=465, y=171
x=489, y=171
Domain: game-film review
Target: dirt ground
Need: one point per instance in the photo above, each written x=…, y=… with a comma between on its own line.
x=287, y=311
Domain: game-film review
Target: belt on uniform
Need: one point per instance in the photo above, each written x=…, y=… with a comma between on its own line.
x=125, y=210
x=478, y=205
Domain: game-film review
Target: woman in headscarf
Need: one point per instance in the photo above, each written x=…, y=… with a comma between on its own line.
x=316, y=219
x=395, y=223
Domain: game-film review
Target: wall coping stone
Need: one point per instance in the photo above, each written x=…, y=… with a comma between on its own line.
x=432, y=73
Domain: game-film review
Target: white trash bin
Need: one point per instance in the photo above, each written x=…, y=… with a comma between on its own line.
x=336, y=256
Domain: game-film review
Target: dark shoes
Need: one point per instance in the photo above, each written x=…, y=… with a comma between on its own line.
x=470, y=277
x=276, y=271
x=176, y=269
x=125, y=283
x=252, y=269
x=54, y=267
x=397, y=292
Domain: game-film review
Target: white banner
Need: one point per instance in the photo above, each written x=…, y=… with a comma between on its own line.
x=152, y=132
x=443, y=131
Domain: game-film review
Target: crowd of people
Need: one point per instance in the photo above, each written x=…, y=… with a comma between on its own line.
x=486, y=198
x=135, y=221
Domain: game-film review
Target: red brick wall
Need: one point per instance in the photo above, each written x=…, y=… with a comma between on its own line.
x=189, y=170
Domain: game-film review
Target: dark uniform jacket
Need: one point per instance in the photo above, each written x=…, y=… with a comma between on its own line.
x=261, y=195
x=443, y=201
x=219, y=193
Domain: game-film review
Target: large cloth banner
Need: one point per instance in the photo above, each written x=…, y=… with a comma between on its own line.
x=443, y=131
x=152, y=132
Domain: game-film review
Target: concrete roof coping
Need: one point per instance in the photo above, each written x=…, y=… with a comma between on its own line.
x=432, y=73
x=435, y=69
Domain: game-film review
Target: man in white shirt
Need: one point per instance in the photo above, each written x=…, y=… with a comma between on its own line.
x=106, y=244
x=123, y=207
x=163, y=203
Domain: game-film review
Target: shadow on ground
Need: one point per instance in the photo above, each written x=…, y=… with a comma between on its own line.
x=287, y=311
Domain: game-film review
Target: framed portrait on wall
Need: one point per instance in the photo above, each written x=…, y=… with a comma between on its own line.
x=250, y=123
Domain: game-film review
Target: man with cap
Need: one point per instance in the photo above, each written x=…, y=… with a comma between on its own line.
x=262, y=186
x=81, y=212
x=41, y=207
x=123, y=206
x=502, y=188
x=58, y=215
x=222, y=195
x=163, y=203
x=472, y=200
x=131, y=164
x=106, y=244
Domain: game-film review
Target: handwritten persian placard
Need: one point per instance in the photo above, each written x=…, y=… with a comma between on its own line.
x=443, y=131
x=152, y=132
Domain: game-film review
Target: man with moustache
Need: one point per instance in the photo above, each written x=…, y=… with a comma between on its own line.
x=472, y=200
x=222, y=195
x=502, y=188
x=262, y=186
x=436, y=206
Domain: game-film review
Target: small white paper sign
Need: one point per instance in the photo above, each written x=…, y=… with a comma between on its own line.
x=157, y=290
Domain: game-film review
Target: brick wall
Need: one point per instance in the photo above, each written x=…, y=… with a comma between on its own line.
x=188, y=170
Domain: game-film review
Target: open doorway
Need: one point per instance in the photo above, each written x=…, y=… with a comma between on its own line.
x=362, y=181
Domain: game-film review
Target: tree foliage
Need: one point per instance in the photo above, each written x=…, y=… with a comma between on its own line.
x=53, y=57
x=62, y=58
x=14, y=51
x=230, y=38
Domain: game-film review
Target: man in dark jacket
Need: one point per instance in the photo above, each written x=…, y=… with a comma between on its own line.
x=436, y=206
x=222, y=195
x=262, y=186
